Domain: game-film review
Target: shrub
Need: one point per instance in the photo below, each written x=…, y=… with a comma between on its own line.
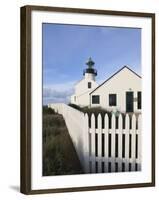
x=95, y=110
x=75, y=106
x=47, y=110
x=53, y=120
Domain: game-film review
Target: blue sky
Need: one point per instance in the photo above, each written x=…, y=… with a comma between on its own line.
x=66, y=48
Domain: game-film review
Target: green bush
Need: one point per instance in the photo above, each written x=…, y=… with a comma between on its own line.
x=47, y=110
x=89, y=111
x=75, y=106
x=53, y=120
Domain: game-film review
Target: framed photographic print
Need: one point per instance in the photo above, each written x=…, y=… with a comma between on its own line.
x=87, y=99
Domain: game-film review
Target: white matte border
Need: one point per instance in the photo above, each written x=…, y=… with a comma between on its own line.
x=52, y=182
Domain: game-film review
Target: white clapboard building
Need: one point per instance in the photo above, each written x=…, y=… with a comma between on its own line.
x=120, y=92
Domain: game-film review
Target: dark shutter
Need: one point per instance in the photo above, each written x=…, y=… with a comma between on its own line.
x=129, y=102
x=139, y=100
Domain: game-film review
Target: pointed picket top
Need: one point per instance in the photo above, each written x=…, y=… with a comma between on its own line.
x=113, y=121
x=120, y=116
x=113, y=115
x=120, y=120
x=86, y=116
x=133, y=116
x=93, y=121
x=127, y=121
x=99, y=121
x=133, y=121
x=99, y=116
x=106, y=116
x=106, y=121
x=86, y=121
x=139, y=122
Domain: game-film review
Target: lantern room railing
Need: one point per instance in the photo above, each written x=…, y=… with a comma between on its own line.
x=90, y=70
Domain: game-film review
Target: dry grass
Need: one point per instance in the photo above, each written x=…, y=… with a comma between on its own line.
x=59, y=156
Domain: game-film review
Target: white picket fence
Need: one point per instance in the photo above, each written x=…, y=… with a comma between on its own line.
x=108, y=144
x=113, y=149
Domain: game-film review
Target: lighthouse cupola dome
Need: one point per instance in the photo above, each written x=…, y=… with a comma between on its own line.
x=90, y=70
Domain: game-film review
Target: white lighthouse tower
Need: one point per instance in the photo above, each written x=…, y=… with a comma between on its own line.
x=85, y=86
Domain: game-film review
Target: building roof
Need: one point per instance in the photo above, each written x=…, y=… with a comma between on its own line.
x=115, y=75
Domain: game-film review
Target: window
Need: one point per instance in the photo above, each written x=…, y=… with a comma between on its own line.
x=89, y=84
x=95, y=99
x=112, y=99
x=139, y=100
x=74, y=98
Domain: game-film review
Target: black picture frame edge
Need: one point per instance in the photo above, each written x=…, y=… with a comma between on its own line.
x=153, y=170
x=88, y=11
x=25, y=95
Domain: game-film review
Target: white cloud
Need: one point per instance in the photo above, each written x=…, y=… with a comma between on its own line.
x=58, y=93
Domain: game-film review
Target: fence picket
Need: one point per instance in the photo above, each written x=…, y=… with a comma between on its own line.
x=106, y=132
x=127, y=127
x=133, y=141
x=113, y=144
x=93, y=160
x=120, y=143
x=99, y=132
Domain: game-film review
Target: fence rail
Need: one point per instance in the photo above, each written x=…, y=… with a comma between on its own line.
x=104, y=143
